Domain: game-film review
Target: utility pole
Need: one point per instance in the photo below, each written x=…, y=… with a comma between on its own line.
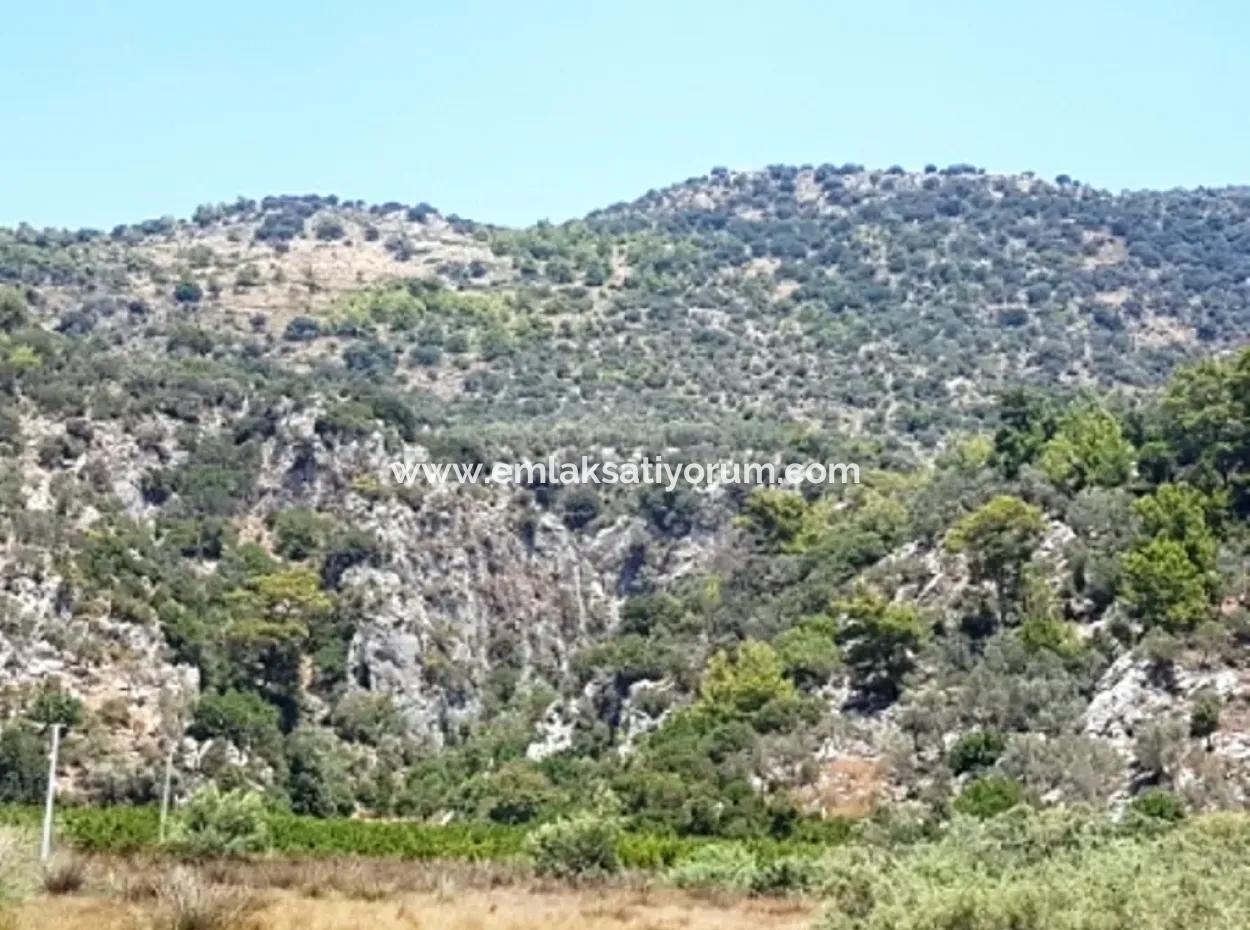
x=169, y=779
x=45, y=849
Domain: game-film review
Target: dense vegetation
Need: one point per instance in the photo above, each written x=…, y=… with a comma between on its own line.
x=1033, y=510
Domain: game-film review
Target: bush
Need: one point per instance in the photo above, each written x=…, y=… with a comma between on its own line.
x=1204, y=718
x=64, y=874
x=242, y=717
x=213, y=823
x=979, y=750
x=1047, y=872
x=1156, y=806
x=329, y=229
x=318, y=781
x=723, y=865
x=188, y=292
x=989, y=796
x=583, y=846
x=362, y=717
x=301, y=329
x=185, y=901
x=581, y=506
x=787, y=875
x=23, y=768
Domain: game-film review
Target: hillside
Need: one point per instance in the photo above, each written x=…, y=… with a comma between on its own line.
x=1034, y=592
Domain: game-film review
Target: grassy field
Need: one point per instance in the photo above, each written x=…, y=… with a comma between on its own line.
x=1058, y=869
x=376, y=895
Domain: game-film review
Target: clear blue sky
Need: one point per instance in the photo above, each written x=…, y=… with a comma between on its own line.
x=513, y=111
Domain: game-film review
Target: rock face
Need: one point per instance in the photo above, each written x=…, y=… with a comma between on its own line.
x=466, y=592
x=473, y=592
x=476, y=587
x=120, y=671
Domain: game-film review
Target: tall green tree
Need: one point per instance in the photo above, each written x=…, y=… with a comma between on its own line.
x=1089, y=449
x=998, y=539
x=1170, y=576
x=879, y=639
x=1027, y=419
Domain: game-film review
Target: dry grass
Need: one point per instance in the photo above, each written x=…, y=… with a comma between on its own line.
x=384, y=895
x=66, y=873
x=500, y=909
x=187, y=900
x=19, y=868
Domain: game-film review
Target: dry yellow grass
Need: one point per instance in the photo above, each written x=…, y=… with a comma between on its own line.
x=496, y=909
x=392, y=895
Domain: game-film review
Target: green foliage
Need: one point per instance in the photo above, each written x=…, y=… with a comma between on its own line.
x=300, y=532
x=1170, y=574
x=516, y=793
x=52, y=705
x=1164, y=586
x=580, y=506
x=188, y=292
x=998, y=538
x=1204, y=717
x=1051, y=634
x=244, y=718
x=879, y=640
x=1042, y=628
x=318, y=780
x=23, y=766
x=989, y=796
x=1182, y=514
x=720, y=865
x=13, y=314
x=216, y=823
x=1089, y=449
x=583, y=846
x=1055, y=870
x=809, y=652
x=776, y=516
x=746, y=682
x=19, y=866
x=975, y=751
x=1156, y=806
x=1027, y=421
x=361, y=717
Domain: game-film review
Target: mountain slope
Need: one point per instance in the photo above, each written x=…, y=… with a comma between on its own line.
x=202, y=543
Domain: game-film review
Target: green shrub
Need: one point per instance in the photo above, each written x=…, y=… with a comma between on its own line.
x=1204, y=718
x=23, y=767
x=582, y=846
x=1049, y=871
x=188, y=292
x=1156, y=806
x=787, y=875
x=652, y=851
x=723, y=865
x=318, y=781
x=973, y=751
x=989, y=796
x=242, y=717
x=215, y=823
x=363, y=717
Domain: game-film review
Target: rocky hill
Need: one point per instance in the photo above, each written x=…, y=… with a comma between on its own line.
x=1035, y=591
